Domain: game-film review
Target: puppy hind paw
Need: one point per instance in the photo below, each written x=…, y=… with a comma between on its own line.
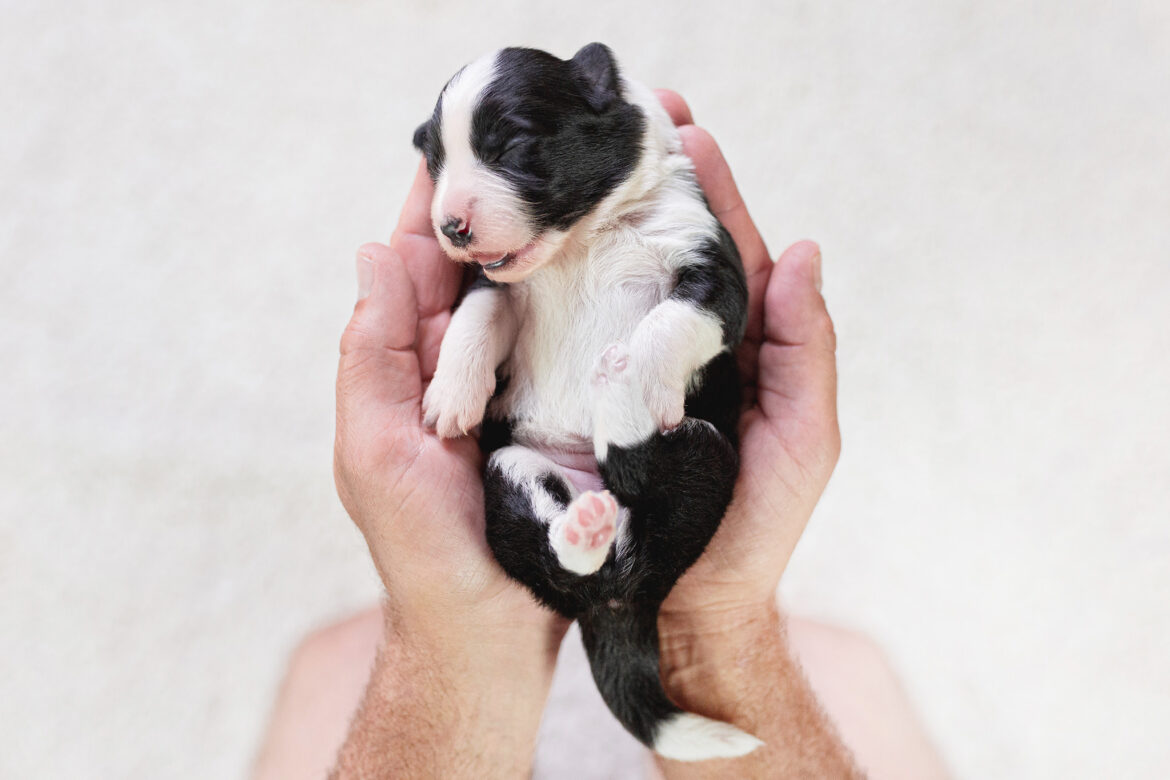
x=620, y=414
x=611, y=366
x=584, y=535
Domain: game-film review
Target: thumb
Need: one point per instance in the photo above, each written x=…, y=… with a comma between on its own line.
x=798, y=363
x=378, y=381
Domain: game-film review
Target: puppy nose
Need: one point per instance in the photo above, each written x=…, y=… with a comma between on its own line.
x=458, y=231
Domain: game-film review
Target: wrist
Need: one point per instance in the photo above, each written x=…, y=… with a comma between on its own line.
x=734, y=665
x=710, y=658
x=479, y=651
x=439, y=703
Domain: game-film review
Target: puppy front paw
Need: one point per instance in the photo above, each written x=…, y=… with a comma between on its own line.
x=452, y=406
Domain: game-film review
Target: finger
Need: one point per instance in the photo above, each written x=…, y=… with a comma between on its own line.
x=378, y=381
x=680, y=112
x=430, y=337
x=415, y=217
x=797, y=385
x=436, y=277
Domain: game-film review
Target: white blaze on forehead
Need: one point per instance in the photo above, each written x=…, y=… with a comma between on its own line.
x=460, y=98
x=466, y=188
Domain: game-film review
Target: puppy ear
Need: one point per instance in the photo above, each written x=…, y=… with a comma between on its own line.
x=597, y=71
x=420, y=136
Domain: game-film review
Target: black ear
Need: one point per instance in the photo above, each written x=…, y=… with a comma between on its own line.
x=597, y=72
x=420, y=136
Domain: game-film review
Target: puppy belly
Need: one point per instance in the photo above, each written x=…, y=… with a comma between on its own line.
x=579, y=466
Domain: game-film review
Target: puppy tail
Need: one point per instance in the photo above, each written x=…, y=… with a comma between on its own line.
x=622, y=645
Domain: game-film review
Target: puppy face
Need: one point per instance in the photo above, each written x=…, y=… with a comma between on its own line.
x=521, y=146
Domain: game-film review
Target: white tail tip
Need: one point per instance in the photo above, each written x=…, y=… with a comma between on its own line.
x=688, y=737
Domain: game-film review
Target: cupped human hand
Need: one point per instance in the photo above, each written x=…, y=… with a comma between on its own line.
x=418, y=499
x=789, y=437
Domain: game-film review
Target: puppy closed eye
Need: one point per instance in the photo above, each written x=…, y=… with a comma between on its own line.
x=514, y=151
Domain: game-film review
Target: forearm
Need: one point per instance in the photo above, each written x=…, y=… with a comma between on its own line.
x=435, y=707
x=739, y=669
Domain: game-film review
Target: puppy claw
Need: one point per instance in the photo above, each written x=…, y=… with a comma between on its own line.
x=452, y=409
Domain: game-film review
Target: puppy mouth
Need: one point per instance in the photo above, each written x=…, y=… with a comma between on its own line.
x=494, y=262
x=503, y=261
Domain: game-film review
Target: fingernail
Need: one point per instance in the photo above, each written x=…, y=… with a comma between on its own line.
x=365, y=276
x=816, y=271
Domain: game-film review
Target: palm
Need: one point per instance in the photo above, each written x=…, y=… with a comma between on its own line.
x=422, y=509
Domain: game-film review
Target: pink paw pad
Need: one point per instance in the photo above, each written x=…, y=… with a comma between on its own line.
x=591, y=520
x=588, y=531
x=612, y=363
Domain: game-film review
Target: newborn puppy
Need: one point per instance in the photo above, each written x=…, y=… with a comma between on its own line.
x=595, y=346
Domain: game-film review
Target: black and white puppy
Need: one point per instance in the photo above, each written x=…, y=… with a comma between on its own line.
x=595, y=348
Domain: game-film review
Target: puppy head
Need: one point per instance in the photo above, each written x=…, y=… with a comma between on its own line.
x=521, y=146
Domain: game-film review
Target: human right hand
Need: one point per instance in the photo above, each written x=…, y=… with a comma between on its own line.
x=722, y=644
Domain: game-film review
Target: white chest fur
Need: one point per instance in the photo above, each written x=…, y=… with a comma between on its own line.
x=567, y=314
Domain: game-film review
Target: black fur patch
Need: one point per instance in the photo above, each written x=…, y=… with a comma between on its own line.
x=558, y=130
x=429, y=141
x=717, y=395
x=718, y=285
x=556, y=487
x=494, y=432
x=597, y=72
x=622, y=645
x=677, y=485
x=474, y=278
x=519, y=542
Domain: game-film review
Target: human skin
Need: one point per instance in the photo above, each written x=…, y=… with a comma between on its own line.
x=467, y=654
x=853, y=681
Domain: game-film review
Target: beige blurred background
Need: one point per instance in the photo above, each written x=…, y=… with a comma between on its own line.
x=182, y=186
